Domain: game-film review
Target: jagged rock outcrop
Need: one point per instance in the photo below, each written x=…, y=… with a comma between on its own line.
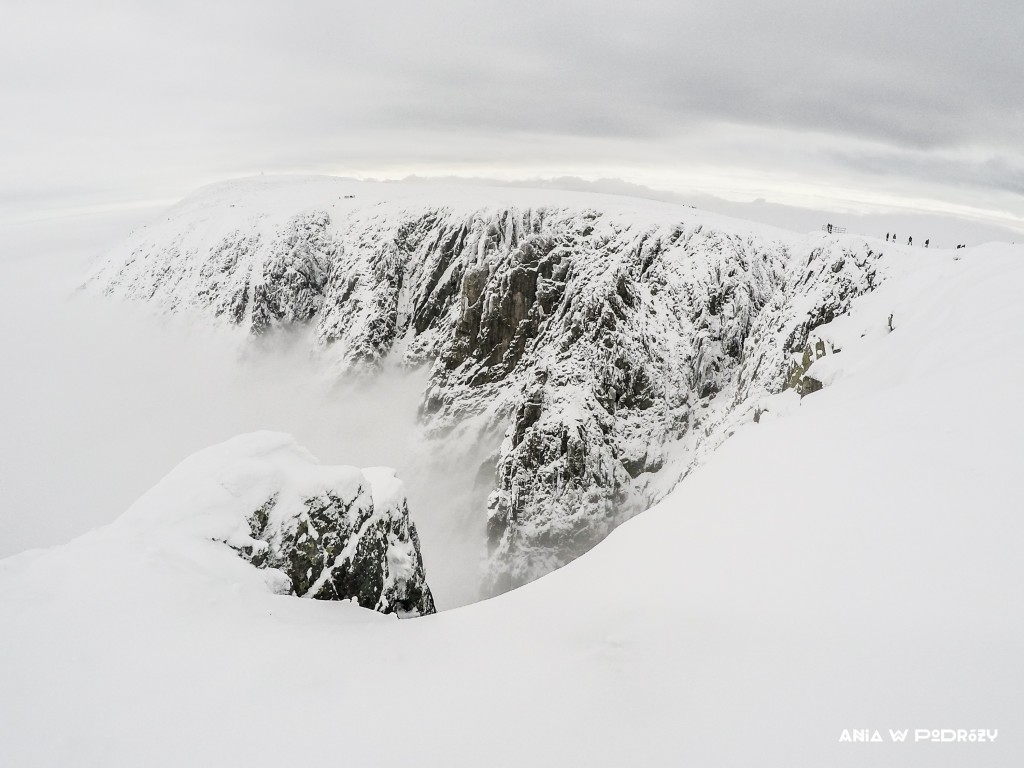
x=317, y=531
x=599, y=347
x=798, y=378
x=350, y=541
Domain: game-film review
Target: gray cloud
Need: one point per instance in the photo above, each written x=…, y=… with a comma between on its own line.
x=125, y=98
x=992, y=172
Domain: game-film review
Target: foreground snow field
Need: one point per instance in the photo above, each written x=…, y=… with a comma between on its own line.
x=852, y=561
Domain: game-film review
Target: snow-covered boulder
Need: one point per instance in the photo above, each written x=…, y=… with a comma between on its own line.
x=595, y=348
x=325, y=532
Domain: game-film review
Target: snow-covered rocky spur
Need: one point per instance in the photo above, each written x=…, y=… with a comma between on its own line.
x=329, y=533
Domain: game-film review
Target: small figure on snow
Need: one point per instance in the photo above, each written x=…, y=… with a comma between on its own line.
x=887, y=237
x=926, y=243
x=910, y=241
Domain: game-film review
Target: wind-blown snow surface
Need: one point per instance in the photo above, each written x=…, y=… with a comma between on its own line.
x=852, y=561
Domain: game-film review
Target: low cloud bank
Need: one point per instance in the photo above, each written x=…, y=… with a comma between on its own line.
x=99, y=400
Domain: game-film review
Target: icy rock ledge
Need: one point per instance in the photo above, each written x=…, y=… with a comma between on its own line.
x=325, y=532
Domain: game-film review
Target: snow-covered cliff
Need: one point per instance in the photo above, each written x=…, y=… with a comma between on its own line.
x=593, y=348
x=325, y=532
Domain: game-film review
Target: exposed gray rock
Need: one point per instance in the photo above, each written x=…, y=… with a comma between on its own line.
x=341, y=545
x=798, y=378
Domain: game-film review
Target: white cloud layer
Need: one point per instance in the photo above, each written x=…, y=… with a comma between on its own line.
x=863, y=106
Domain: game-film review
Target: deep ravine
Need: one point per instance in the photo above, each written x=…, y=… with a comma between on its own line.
x=586, y=351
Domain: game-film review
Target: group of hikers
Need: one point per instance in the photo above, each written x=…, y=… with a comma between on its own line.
x=910, y=240
x=889, y=236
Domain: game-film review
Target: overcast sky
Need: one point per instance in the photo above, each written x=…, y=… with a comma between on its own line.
x=869, y=107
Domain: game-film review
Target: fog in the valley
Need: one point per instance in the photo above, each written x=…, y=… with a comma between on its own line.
x=99, y=400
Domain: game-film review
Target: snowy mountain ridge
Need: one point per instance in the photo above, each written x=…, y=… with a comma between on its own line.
x=592, y=349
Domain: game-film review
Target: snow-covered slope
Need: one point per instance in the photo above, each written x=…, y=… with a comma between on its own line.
x=591, y=349
x=849, y=562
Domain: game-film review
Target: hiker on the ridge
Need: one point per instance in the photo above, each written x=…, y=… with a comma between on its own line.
x=887, y=237
x=926, y=243
x=910, y=241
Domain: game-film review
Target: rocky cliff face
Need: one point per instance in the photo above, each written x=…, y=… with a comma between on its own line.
x=601, y=347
